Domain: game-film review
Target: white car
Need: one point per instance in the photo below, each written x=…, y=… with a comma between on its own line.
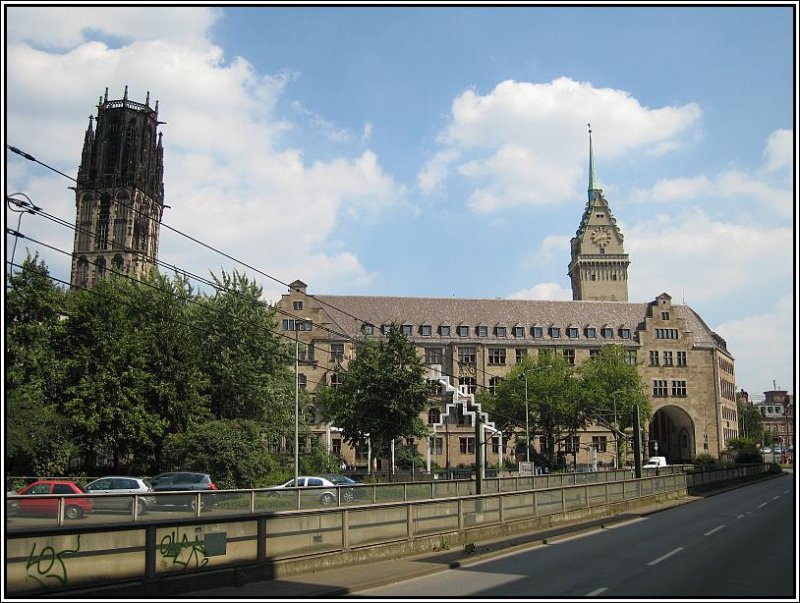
x=327, y=489
x=120, y=484
x=654, y=462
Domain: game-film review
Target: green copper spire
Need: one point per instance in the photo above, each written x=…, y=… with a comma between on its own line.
x=592, y=181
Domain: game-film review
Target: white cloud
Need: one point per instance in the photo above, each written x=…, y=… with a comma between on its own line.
x=229, y=179
x=674, y=189
x=525, y=143
x=757, y=340
x=705, y=261
x=543, y=291
x=778, y=151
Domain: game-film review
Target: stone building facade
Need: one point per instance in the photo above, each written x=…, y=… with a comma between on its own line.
x=119, y=196
x=687, y=368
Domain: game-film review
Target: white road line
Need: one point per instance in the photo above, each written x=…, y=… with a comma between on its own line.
x=597, y=591
x=762, y=505
x=786, y=492
x=714, y=530
x=776, y=497
x=670, y=554
x=740, y=515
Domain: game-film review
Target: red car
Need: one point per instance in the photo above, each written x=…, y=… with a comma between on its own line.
x=73, y=507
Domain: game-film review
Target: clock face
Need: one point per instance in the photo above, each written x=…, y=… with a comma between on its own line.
x=601, y=237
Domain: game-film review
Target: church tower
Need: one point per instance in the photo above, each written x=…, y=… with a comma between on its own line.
x=120, y=192
x=598, y=268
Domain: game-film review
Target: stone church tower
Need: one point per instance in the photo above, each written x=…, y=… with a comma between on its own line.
x=120, y=192
x=598, y=268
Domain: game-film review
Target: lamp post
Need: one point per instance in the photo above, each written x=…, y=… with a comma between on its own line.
x=299, y=325
x=23, y=207
x=524, y=375
x=616, y=428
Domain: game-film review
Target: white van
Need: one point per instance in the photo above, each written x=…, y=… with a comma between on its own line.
x=654, y=462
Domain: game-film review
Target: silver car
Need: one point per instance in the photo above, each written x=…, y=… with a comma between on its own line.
x=120, y=484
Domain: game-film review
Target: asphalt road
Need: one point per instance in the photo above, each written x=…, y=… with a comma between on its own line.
x=740, y=543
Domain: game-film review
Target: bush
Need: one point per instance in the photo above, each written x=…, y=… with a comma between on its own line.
x=704, y=459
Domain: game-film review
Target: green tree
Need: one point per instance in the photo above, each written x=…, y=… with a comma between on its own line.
x=38, y=437
x=611, y=388
x=750, y=419
x=108, y=379
x=233, y=452
x=381, y=394
x=246, y=365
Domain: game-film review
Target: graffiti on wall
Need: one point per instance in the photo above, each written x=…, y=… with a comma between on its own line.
x=47, y=566
x=182, y=551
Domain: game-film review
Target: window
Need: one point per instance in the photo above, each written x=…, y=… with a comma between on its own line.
x=572, y=444
x=500, y=331
x=653, y=358
x=467, y=445
x=521, y=354
x=600, y=443
x=469, y=384
x=665, y=316
x=659, y=387
x=386, y=328
x=608, y=333
x=681, y=358
x=436, y=387
x=497, y=356
x=667, y=358
x=537, y=332
x=436, y=445
x=625, y=333
x=336, y=380
x=482, y=331
x=466, y=354
x=666, y=333
x=337, y=352
x=495, y=445
x=297, y=305
x=569, y=356
x=519, y=332
x=302, y=381
x=630, y=357
x=679, y=389
x=572, y=332
x=425, y=330
x=462, y=418
x=493, y=383
x=367, y=329
x=407, y=330
x=591, y=332
x=444, y=331
x=462, y=330
x=433, y=416
x=336, y=445
x=555, y=332
x=433, y=355
x=290, y=324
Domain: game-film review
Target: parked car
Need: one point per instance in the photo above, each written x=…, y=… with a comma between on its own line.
x=74, y=507
x=326, y=488
x=120, y=484
x=352, y=491
x=175, y=481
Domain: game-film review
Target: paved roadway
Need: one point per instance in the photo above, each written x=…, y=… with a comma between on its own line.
x=737, y=543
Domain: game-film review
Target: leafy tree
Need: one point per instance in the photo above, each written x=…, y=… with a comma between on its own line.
x=750, y=420
x=233, y=452
x=107, y=384
x=746, y=450
x=381, y=394
x=245, y=363
x=611, y=388
x=38, y=437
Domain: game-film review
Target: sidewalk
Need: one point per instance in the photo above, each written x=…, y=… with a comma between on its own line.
x=343, y=581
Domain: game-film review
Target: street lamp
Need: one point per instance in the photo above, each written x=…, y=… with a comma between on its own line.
x=23, y=207
x=616, y=428
x=299, y=325
x=524, y=375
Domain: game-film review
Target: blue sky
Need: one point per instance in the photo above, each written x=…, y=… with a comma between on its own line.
x=442, y=151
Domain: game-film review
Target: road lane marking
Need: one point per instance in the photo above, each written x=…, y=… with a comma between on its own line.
x=597, y=591
x=776, y=497
x=714, y=530
x=740, y=515
x=762, y=505
x=670, y=554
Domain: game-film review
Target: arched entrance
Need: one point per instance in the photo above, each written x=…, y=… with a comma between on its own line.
x=671, y=434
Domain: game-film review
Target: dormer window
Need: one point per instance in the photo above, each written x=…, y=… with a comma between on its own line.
x=407, y=330
x=572, y=332
x=591, y=332
x=386, y=328
x=444, y=330
x=462, y=330
x=482, y=331
x=625, y=333
x=519, y=332
x=500, y=331
x=555, y=332
x=608, y=333
x=425, y=330
x=367, y=329
x=537, y=332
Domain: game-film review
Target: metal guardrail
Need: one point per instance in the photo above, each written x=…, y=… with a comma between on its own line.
x=78, y=554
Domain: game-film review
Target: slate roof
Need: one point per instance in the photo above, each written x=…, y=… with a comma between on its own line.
x=349, y=313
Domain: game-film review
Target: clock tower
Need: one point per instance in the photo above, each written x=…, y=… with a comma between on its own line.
x=598, y=268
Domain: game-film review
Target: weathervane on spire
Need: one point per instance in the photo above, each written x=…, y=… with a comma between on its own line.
x=592, y=181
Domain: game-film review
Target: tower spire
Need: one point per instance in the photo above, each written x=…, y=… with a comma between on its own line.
x=592, y=180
